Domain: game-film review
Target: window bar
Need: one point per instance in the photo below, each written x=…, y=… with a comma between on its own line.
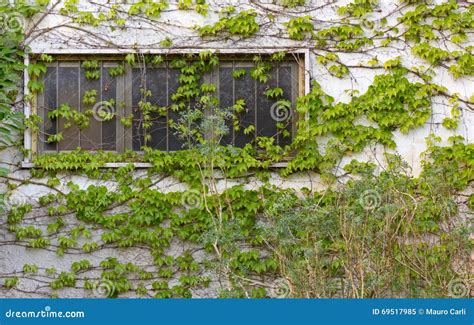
x=255, y=106
x=56, y=144
x=277, y=135
x=167, y=107
x=79, y=108
x=142, y=132
x=233, y=101
x=101, y=128
x=27, y=110
x=144, y=99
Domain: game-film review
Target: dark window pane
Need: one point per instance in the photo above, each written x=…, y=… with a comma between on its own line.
x=138, y=82
x=266, y=125
x=245, y=89
x=226, y=99
x=68, y=80
x=50, y=103
x=174, y=142
x=109, y=127
x=156, y=80
x=91, y=136
x=286, y=82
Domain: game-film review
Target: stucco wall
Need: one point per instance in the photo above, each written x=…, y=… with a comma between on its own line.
x=55, y=34
x=145, y=35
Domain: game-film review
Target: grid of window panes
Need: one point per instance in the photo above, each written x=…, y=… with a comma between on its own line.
x=65, y=82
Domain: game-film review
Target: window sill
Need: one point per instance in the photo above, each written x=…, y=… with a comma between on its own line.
x=30, y=165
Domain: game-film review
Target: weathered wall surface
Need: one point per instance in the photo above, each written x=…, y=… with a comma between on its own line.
x=55, y=33
x=146, y=35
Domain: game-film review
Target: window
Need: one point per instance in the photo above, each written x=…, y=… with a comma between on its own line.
x=65, y=83
x=90, y=86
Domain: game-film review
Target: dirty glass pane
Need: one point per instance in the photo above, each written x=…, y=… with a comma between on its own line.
x=245, y=89
x=226, y=98
x=266, y=125
x=156, y=82
x=91, y=136
x=138, y=82
x=109, y=127
x=50, y=103
x=68, y=93
x=286, y=82
x=174, y=143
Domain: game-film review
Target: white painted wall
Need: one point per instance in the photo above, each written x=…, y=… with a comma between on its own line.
x=145, y=34
x=55, y=34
